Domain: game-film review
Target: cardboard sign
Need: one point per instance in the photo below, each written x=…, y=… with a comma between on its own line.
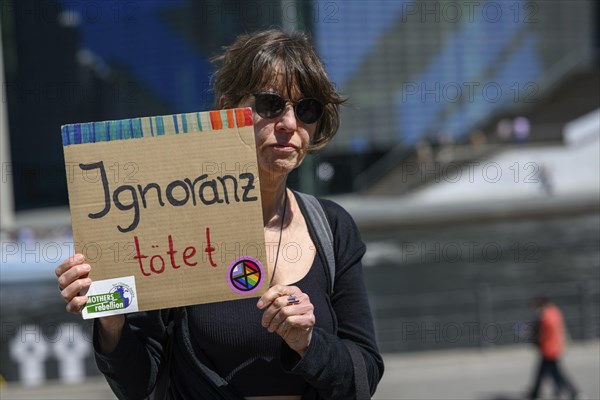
x=167, y=210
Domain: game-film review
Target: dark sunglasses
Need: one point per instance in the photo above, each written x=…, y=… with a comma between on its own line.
x=271, y=105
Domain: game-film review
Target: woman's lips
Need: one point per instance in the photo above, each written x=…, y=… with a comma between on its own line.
x=284, y=147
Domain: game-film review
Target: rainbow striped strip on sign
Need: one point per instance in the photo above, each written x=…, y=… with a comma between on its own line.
x=175, y=124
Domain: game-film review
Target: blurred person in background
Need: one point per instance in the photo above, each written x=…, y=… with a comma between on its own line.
x=300, y=340
x=550, y=340
x=545, y=179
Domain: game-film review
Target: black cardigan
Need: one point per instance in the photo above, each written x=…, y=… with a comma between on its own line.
x=132, y=368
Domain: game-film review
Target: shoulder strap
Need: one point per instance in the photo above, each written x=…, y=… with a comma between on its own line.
x=361, y=381
x=161, y=389
x=213, y=384
x=318, y=219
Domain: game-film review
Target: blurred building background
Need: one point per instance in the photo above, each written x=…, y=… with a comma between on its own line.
x=468, y=154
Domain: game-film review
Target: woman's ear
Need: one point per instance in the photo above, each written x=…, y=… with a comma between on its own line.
x=222, y=102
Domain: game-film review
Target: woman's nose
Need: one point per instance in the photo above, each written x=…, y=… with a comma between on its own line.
x=288, y=118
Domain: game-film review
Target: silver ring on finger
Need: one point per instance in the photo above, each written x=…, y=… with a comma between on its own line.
x=291, y=300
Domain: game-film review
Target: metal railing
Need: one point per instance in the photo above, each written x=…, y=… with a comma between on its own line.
x=482, y=317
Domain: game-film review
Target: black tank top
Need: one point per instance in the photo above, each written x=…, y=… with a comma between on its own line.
x=244, y=353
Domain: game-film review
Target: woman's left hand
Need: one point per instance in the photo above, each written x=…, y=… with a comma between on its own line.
x=288, y=312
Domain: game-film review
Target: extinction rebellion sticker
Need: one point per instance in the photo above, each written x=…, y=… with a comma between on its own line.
x=111, y=297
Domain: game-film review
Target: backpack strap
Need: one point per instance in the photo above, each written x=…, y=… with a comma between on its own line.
x=215, y=386
x=161, y=390
x=361, y=381
x=317, y=218
x=323, y=235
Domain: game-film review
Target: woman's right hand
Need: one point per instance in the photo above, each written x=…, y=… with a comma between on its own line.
x=74, y=283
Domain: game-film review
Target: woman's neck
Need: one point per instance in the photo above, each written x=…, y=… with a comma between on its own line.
x=273, y=200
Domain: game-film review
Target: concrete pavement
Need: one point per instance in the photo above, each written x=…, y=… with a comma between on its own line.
x=503, y=373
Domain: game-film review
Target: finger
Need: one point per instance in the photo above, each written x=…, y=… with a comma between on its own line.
x=272, y=310
x=275, y=292
x=72, y=274
x=278, y=304
x=288, y=315
x=68, y=263
x=295, y=326
x=280, y=310
x=75, y=289
x=76, y=304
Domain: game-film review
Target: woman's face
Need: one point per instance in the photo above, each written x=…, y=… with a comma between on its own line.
x=281, y=142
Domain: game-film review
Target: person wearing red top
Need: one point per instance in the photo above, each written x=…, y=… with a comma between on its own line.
x=550, y=339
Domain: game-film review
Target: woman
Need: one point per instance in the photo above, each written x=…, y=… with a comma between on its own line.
x=289, y=344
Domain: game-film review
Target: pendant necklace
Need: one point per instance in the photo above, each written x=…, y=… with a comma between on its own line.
x=280, y=235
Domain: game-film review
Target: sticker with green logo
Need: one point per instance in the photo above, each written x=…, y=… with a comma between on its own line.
x=111, y=297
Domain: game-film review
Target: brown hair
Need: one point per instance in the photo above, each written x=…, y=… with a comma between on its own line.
x=248, y=66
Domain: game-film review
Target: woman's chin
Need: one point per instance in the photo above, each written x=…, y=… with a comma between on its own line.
x=278, y=167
